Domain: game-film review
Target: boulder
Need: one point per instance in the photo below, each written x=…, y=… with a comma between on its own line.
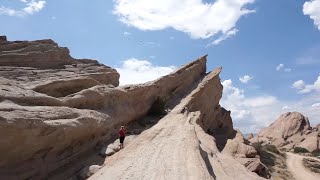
x=311, y=144
x=88, y=171
x=290, y=130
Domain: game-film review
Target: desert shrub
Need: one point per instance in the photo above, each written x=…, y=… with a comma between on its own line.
x=257, y=146
x=271, y=148
x=284, y=149
x=300, y=150
x=316, y=153
x=158, y=107
x=312, y=164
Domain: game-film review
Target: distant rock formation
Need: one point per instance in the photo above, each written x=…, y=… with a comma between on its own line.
x=290, y=130
x=55, y=110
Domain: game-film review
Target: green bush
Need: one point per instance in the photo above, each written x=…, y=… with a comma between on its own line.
x=271, y=148
x=316, y=153
x=300, y=150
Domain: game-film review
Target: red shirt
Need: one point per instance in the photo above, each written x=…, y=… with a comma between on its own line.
x=122, y=133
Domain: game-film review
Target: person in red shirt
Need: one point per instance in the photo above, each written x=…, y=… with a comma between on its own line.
x=122, y=135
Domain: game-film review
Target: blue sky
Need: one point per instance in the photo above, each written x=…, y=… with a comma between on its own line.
x=272, y=45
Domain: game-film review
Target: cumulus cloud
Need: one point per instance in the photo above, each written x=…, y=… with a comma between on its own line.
x=198, y=19
x=312, y=9
x=307, y=88
x=245, y=79
x=299, y=84
x=250, y=114
x=134, y=71
x=30, y=7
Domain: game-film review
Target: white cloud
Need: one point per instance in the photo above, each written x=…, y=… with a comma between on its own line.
x=279, y=67
x=316, y=105
x=31, y=7
x=247, y=112
x=225, y=36
x=8, y=11
x=34, y=6
x=194, y=17
x=260, y=101
x=134, y=71
x=299, y=84
x=307, y=88
x=287, y=70
x=126, y=34
x=312, y=9
x=253, y=113
x=245, y=79
x=171, y=38
x=286, y=107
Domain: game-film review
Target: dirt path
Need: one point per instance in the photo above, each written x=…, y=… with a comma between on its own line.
x=295, y=166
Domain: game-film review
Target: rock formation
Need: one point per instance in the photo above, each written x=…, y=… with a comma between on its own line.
x=55, y=110
x=290, y=130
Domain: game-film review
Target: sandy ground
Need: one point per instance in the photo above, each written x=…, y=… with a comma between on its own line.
x=295, y=166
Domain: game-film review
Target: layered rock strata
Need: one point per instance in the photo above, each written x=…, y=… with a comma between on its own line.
x=55, y=109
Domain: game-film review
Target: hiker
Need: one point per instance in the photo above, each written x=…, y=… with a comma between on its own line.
x=122, y=135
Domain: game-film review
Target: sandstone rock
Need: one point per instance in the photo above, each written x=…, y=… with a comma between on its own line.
x=250, y=136
x=178, y=145
x=3, y=39
x=311, y=144
x=246, y=154
x=114, y=147
x=89, y=171
x=41, y=53
x=55, y=109
x=255, y=165
x=287, y=125
x=40, y=74
x=238, y=149
x=47, y=132
x=290, y=130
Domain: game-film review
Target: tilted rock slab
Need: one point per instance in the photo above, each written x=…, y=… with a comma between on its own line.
x=178, y=147
x=55, y=109
x=43, y=133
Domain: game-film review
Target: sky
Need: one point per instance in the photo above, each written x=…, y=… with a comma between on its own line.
x=269, y=49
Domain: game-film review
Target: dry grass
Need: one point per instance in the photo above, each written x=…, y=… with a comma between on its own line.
x=275, y=160
x=312, y=164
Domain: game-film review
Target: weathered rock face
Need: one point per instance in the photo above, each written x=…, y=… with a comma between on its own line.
x=50, y=118
x=42, y=53
x=290, y=130
x=178, y=145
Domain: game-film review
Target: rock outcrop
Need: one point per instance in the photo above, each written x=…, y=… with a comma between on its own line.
x=56, y=110
x=178, y=147
x=290, y=130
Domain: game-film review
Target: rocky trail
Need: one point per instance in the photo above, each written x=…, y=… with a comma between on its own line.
x=296, y=167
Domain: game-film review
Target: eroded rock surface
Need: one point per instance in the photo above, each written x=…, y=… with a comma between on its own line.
x=54, y=110
x=290, y=130
x=178, y=147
